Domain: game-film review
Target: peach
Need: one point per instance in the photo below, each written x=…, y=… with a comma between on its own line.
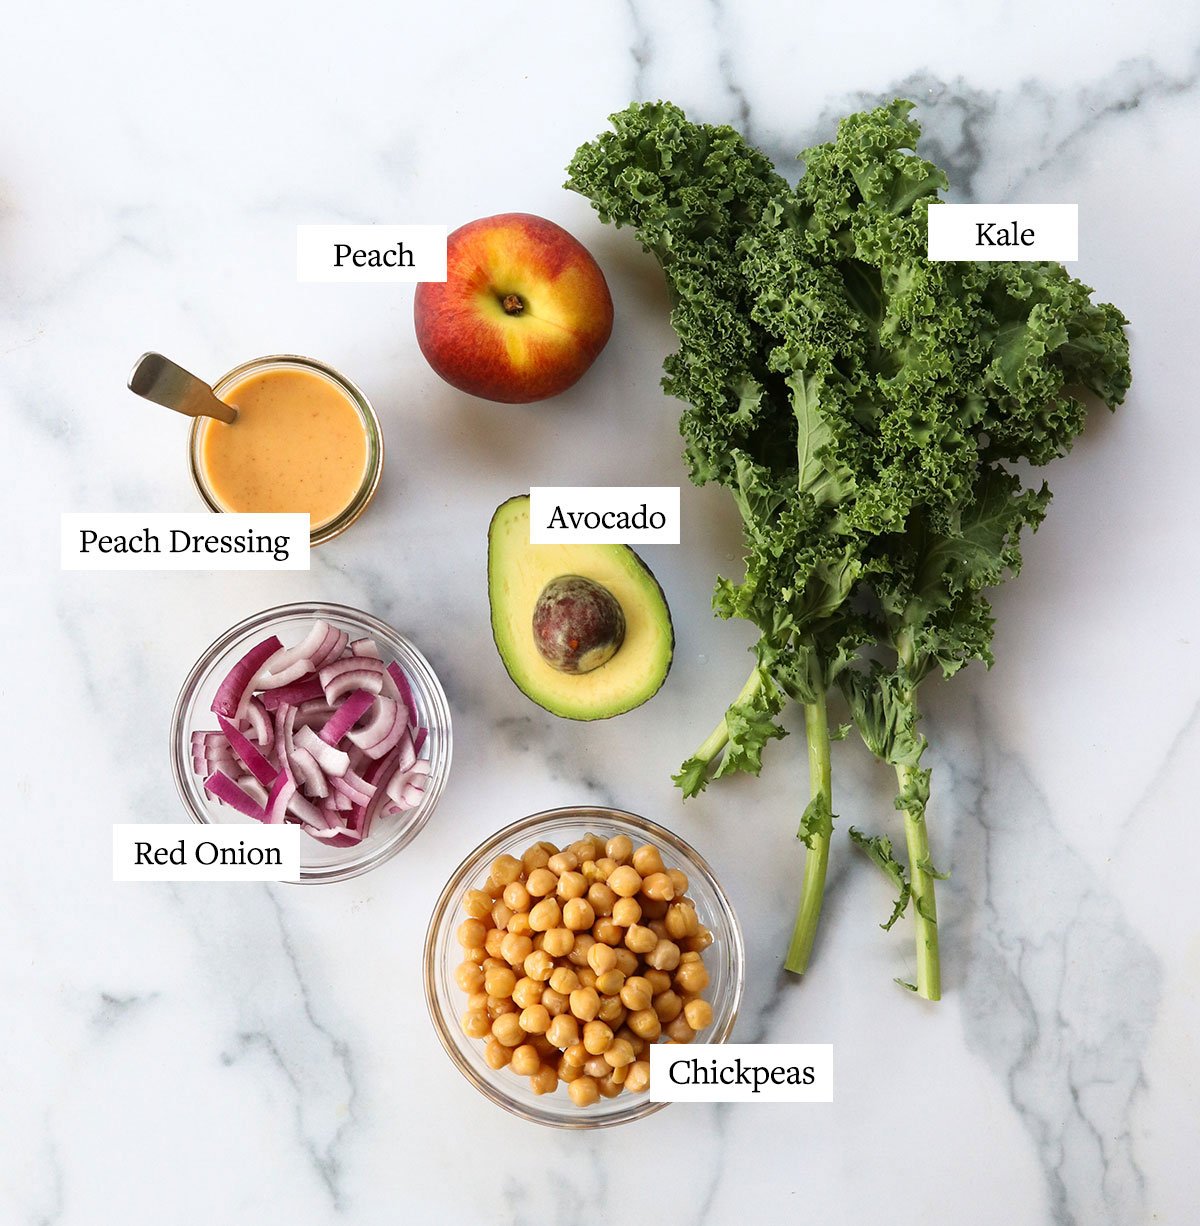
x=523, y=312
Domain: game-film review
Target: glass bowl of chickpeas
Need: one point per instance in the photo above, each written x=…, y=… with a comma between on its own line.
x=565, y=945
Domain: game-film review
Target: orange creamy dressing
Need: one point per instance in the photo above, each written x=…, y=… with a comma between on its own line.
x=298, y=444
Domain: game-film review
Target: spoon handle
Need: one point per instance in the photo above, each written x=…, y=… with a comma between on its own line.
x=157, y=378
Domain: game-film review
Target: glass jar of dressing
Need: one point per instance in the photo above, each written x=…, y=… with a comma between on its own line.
x=305, y=439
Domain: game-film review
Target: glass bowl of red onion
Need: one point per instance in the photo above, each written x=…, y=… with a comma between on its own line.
x=322, y=716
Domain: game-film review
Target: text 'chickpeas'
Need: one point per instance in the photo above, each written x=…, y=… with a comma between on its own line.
x=576, y=959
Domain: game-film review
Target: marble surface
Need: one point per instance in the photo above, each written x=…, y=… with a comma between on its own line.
x=253, y=1054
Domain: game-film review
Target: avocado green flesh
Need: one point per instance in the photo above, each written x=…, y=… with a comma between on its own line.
x=517, y=574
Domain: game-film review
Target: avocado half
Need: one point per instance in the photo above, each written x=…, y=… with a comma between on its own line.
x=517, y=573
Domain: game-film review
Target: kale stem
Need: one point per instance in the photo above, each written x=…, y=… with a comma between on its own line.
x=718, y=738
x=816, y=858
x=914, y=796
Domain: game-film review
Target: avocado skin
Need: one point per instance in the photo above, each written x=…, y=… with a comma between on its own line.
x=653, y=600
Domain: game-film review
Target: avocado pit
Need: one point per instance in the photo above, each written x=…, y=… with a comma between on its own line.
x=578, y=625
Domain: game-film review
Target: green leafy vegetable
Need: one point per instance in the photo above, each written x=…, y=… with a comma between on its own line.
x=872, y=414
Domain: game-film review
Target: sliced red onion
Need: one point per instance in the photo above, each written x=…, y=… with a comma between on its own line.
x=351, y=673
x=254, y=761
x=294, y=694
x=346, y=716
x=235, y=691
x=293, y=745
x=294, y=672
x=224, y=788
x=332, y=761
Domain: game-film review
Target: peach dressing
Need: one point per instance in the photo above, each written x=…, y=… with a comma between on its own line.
x=299, y=444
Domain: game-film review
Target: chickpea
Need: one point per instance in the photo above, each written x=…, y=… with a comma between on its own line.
x=635, y=1041
x=610, y=1086
x=474, y=955
x=501, y=914
x=475, y=1023
x=519, y=924
x=601, y=898
x=602, y=958
x=527, y=992
x=500, y=981
x=691, y=977
x=659, y=929
x=535, y=1019
x=597, y=1066
x=477, y=1001
x=679, y=1031
x=468, y=976
x=567, y=1072
x=578, y=914
x=627, y=961
x=472, y=933
x=641, y=940
x=619, y=1053
x=496, y=1054
x=557, y=942
x=578, y=955
x=645, y=1024
x=556, y=1002
x=546, y=915
x=497, y=1005
x=605, y=930
x=586, y=977
x=659, y=981
x=619, y=848
x=576, y=1054
x=525, y=1060
x=668, y=1006
x=636, y=993
x=625, y=881
x=679, y=881
x=590, y=847
x=514, y=948
x=564, y=862
x=647, y=860
x=506, y=1029
x=606, y=867
x=610, y=983
x=698, y=1013
x=659, y=887
x=564, y=980
x=653, y=908
x=544, y=1081
x=681, y=921
x=539, y=965
x=584, y=1092
x=585, y=1003
x=515, y=896
x=637, y=1080
x=700, y=940
x=589, y=872
x=626, y=912
x=571, y=885
x=477, y=903
x=563, y=1031
x=612, y=1011
x=664, y=956
x=505, y=869
x=538, y=856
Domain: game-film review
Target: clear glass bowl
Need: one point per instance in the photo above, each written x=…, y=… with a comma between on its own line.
x=725, y=960
x=372, y=471
x=318, y=862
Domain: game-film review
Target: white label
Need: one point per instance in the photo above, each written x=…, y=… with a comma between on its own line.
x=1004, y=232
x=604, y=514
x=235, y=851
x=117, y=540
x=741, y=1073
x=370, y=254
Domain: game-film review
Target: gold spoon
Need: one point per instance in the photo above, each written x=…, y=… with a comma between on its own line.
x=165, y=382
